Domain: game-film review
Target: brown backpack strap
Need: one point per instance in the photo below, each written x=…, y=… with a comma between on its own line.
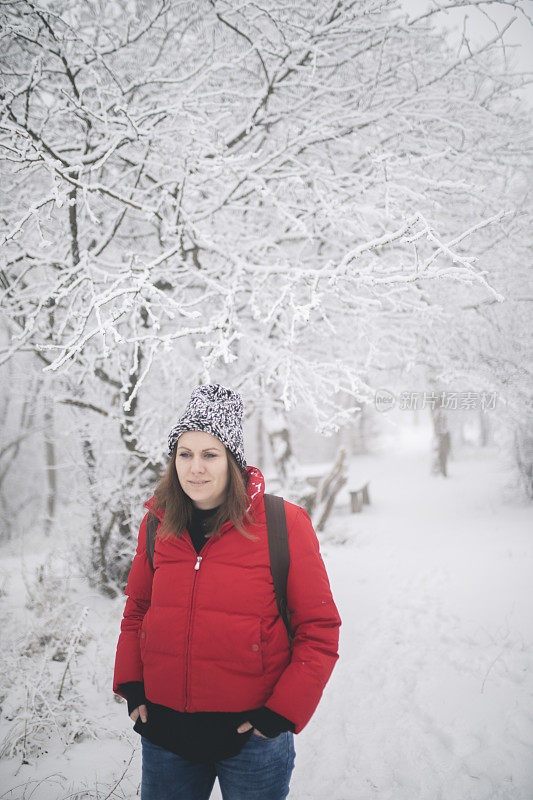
x=151, y=530
x=278, y=547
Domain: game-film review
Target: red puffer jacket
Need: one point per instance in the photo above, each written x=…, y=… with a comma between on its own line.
x=204, y=632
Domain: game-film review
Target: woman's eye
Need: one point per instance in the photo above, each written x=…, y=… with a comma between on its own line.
x=206, y=455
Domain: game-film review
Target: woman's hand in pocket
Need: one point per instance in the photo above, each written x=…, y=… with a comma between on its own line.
x=246, y=727
x=140, y=711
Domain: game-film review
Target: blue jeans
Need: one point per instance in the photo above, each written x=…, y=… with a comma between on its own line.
x=261, y=771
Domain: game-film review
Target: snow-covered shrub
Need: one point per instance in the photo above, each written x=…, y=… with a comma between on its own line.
x=41, y=701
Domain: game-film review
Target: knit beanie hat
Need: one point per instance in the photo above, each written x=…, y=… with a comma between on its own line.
x=217, y=411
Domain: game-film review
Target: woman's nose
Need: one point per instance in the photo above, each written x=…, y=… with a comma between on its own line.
x=197, y=464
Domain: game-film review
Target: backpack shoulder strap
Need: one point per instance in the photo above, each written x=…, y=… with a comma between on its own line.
x=278, y=547
x=151, y=529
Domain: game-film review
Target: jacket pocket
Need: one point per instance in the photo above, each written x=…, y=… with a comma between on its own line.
x=229, y=639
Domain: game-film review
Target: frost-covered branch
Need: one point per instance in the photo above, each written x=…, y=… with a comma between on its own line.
x=308, y=197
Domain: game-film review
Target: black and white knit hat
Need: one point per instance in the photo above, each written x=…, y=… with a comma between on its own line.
x=217, y=411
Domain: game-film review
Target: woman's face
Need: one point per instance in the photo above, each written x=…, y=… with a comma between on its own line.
x=202, y=468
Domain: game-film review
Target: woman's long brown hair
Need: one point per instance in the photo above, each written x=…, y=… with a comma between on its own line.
x=178, y=507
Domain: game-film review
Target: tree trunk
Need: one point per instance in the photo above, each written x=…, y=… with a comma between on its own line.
x=280, y=446
x=260, y=438
x=442, y=442
x=98, y=575
x=328, y=489
x=523, y=449
x=484, y=429
x=51, y=466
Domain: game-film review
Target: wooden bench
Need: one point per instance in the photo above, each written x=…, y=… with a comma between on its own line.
x=358, y=498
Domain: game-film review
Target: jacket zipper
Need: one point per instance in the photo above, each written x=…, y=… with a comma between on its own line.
x=198, y=561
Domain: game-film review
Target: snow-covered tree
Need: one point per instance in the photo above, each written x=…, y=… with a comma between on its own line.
x=276, y=195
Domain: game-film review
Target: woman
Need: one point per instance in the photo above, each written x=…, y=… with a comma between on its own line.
x=203, y=658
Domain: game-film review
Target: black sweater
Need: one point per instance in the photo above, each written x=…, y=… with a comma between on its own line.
x=205, y=736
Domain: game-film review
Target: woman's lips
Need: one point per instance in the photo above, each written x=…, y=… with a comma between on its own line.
x=198, y=483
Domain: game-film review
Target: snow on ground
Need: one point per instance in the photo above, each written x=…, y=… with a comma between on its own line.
x=431, y=698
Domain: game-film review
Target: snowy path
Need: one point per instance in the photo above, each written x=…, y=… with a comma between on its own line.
x=432, y=696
